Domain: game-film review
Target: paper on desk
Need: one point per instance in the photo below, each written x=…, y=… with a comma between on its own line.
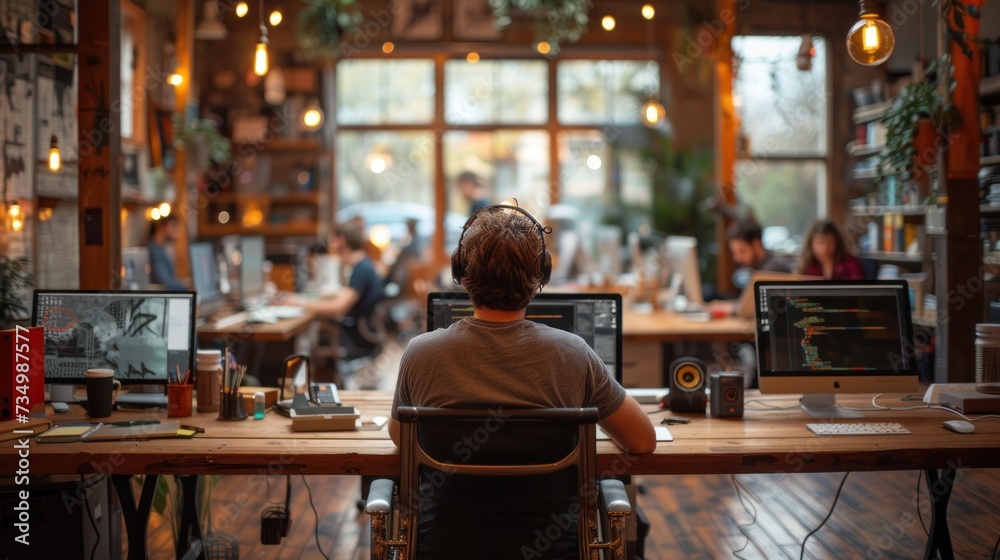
x=662, y=434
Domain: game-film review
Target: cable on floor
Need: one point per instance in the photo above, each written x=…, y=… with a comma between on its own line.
x=753, y=516
x=836, y=497
x=315, y=514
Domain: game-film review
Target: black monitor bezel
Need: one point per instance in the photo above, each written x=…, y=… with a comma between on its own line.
x=127, y=293
x=545, y=296
x=761, y=337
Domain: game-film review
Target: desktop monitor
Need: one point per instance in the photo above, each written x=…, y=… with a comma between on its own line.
x=681, y=260
x=251, y=266
x=822, y=338
x=140, y=335
x=135, y=268
x=205, y=277
x=596, y=318
x=229, y=264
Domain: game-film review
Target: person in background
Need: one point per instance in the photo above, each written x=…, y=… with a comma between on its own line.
x=748, y=250
x=354, y=304
x=825, y=253
x=473, y=190
x=161, y=266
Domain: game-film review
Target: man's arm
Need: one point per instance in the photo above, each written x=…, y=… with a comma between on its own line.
x=629, y=427
x=335, y=306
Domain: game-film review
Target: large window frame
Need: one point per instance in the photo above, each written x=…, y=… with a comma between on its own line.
x=439, y=125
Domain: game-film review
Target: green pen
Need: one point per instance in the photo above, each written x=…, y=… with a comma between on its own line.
x=128, y=423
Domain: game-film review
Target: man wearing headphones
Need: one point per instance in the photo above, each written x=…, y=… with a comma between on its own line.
x=497, y=357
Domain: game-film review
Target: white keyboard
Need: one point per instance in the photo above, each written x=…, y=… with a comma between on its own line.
x=857, y=429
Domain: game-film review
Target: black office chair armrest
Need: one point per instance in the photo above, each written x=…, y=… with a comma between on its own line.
x=380, y=497
x=614, y=499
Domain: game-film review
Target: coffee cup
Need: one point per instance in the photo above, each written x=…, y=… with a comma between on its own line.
x=102, y=392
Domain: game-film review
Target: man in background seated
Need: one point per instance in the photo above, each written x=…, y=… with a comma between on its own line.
x=353, y=305
x=473, y=190
x=748, y=250
x=161, y=266
x=499, y=358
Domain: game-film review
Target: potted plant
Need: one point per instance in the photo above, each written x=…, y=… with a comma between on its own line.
x=323, y=25
x=914, y=121
x=15, y=276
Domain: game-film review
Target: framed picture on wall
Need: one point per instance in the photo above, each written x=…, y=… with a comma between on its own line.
x=473, y=20
x=417, y=20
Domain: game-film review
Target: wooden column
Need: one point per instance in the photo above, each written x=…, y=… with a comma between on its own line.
x=959, y=261
x=186, y=213
x=99, y=143
x=725, y=138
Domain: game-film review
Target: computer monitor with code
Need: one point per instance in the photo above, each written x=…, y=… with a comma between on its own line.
x=820, y=339
x=596, y=318
x=139, y=335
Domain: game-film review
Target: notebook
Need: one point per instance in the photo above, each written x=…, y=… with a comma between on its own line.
x=67, y=432
x=110, y=432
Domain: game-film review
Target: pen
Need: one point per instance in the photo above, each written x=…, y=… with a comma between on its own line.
x=195, y=429
x=127, y=423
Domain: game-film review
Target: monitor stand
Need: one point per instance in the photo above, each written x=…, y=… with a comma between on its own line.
x=824, y=405
x=145, y=395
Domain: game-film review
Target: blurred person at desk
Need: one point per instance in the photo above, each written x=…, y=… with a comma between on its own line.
x=353, y=305
x=825, y=253
x=473, y=190
x=161, y=265
x=748, y=251
x=497, y=357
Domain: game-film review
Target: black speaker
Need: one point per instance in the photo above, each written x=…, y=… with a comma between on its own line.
x=727, y=394
x=687, y=385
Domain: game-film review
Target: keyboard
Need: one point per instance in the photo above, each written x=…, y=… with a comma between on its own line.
x=857, y=429
x=142, y=399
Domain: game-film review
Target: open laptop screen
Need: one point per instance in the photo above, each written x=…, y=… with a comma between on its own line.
x=596, y=318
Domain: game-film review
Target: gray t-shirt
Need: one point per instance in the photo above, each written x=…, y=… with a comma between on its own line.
x=519, y=364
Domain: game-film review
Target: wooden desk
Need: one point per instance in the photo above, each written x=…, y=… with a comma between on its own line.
x=667, y=326
x=280, y=331
x=764, y=441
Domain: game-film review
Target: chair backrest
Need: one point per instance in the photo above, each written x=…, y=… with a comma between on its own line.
x=498, y=483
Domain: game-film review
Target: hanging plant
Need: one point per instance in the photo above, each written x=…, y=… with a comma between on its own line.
x=556, y=21
x=323, y=24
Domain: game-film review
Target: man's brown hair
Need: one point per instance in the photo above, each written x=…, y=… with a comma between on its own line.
x=502, y=255
x=353, y=232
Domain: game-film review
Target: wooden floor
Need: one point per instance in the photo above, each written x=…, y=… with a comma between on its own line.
x=692, y=517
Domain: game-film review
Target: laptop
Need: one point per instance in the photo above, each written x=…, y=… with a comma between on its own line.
x=744, y=305
x=596, y=318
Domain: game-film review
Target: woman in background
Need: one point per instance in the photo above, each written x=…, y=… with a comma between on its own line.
x=825, y=253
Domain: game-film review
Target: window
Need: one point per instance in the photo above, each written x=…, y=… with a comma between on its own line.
x=496, y=91
x=605, y=91
x=783, y=113
x=385, y=92
x=498, y=124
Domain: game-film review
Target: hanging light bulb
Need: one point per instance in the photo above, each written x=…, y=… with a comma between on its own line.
x=648, y=11
x=275, y=18
x=164, y=209
x=242, y=9
x=608, y=23
x=260, y=54
x=175, y=79
x=55, y=159
x=871, y=40
x=652, y=113
x=312, y=116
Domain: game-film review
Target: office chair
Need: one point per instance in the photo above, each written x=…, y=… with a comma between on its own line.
x=497, y=484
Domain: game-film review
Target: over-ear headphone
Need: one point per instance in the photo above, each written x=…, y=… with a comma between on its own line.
x=458, y=264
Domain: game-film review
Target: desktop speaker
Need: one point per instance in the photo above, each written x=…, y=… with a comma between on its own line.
x=687, y=385
x=726, y=389
x=22, y=372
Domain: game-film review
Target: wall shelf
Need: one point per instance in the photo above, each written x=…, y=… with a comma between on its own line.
x=989, y=85
x=883, y=210
x=892, y=256
x=870, y=113
x=989, y=160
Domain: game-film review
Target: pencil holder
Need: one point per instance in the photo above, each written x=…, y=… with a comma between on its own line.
x=179, y=400
x=231, y=406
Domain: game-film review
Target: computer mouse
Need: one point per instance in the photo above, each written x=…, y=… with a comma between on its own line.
x=60, y=407
x=959, y=426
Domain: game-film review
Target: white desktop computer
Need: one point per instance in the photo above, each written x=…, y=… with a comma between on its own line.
x=821, y=339
x=683, y=272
